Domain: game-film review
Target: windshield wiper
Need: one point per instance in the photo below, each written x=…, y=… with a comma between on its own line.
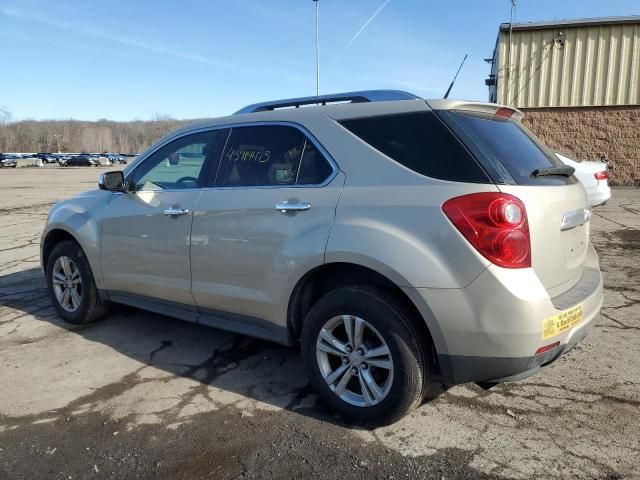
x=564, y=170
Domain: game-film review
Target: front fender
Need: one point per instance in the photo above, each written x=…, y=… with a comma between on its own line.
x=80, y=217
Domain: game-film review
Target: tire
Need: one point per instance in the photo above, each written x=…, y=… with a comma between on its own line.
x=90, y=306
x=399, y=388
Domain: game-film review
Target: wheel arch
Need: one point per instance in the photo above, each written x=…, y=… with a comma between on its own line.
x=52, y=238
x=329, y=276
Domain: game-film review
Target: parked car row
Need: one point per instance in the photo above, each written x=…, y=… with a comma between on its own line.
x=9, y=160
x=91, y=159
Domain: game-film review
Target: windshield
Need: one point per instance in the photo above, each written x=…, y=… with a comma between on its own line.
x=509, y=151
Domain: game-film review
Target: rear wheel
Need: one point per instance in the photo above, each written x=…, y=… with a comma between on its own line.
x=363, y=356
x=71, y=286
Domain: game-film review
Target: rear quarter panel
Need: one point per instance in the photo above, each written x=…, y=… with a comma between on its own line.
x=401, y=232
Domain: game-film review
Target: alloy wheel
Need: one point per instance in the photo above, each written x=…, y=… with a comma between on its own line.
x=354, y=360
x=67, y=283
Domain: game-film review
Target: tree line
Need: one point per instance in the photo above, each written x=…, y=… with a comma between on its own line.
x=84, y=136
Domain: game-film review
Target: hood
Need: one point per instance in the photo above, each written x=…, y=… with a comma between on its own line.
x=92, y=193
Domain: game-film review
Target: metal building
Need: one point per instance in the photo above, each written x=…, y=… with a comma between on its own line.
x=578, y=84
x=567, y=63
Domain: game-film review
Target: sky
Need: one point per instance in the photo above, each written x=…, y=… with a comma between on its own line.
x=125, y=60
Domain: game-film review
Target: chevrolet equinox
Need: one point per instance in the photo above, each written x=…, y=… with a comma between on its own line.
x=399, y=241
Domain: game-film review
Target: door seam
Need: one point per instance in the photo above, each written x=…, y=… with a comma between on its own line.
x=333, y=220
x=193, y=212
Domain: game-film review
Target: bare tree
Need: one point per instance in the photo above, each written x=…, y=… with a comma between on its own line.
x=5, y=115
x=81, y=136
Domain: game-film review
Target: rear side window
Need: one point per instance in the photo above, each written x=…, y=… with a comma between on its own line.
x=421, y=142
x=270, y=155
x=505, y=148
x=314, y=168
x=261, y=156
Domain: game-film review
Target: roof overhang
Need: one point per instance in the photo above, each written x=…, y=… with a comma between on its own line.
x=579, y=22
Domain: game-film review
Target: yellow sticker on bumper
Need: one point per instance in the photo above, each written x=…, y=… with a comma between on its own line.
x=560, y=323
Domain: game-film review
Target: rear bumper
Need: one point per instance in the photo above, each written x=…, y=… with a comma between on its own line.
x=491, y=329
x=598, y=194
x=456, y=369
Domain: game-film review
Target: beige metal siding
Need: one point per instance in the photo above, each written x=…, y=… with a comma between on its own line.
x=570, y=66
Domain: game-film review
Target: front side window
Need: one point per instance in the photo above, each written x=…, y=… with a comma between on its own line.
x=179, y=164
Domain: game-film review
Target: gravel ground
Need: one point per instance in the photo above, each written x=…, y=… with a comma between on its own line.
x=139, y=395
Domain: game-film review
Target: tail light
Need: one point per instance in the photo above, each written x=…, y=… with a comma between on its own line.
x=504, y=112
x=495, y=224
x=603, y=175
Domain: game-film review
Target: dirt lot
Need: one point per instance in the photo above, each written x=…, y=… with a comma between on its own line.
x=139, y=395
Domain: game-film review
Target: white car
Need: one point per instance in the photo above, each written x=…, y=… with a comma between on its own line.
x=594, y=176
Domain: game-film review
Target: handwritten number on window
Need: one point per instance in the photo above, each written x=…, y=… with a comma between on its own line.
x=248, y=155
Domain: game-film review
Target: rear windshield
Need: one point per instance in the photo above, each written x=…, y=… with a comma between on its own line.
x=507, y=150
x=421, y=142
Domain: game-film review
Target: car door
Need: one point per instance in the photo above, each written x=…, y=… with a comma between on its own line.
x=145, y=232
x=265, y=220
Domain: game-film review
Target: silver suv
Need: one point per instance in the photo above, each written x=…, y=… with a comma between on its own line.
x=400, y=241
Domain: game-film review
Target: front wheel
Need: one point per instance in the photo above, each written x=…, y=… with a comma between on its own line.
x=363, y=355
x=71, y=286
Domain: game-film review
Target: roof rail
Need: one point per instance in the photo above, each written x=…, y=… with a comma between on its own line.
x=353, y=97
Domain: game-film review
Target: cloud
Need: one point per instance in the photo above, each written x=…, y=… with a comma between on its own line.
x=362, y=29
x=94, y=32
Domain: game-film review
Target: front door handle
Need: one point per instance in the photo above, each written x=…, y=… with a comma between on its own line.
x=172, y=212
x=286, y=206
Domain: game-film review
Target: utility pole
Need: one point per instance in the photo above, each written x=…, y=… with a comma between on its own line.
x=511, y=20
x=317, y=47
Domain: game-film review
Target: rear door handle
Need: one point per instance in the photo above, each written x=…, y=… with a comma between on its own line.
x=285, y=207
x=172, y=212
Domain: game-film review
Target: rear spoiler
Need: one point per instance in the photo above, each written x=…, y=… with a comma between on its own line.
x=481, y=107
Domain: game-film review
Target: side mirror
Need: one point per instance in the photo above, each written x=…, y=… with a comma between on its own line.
x=111, y=181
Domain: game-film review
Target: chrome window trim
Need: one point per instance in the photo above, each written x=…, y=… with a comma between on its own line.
x=304, y=146
x=308, y=136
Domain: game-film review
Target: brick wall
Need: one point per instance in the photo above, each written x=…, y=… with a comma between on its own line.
x=588, y=133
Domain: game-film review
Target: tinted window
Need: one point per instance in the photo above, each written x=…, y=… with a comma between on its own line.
x=259, y=156
x=421, y=142
x=178, y=165
x=314, y=168
x=507, y=149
